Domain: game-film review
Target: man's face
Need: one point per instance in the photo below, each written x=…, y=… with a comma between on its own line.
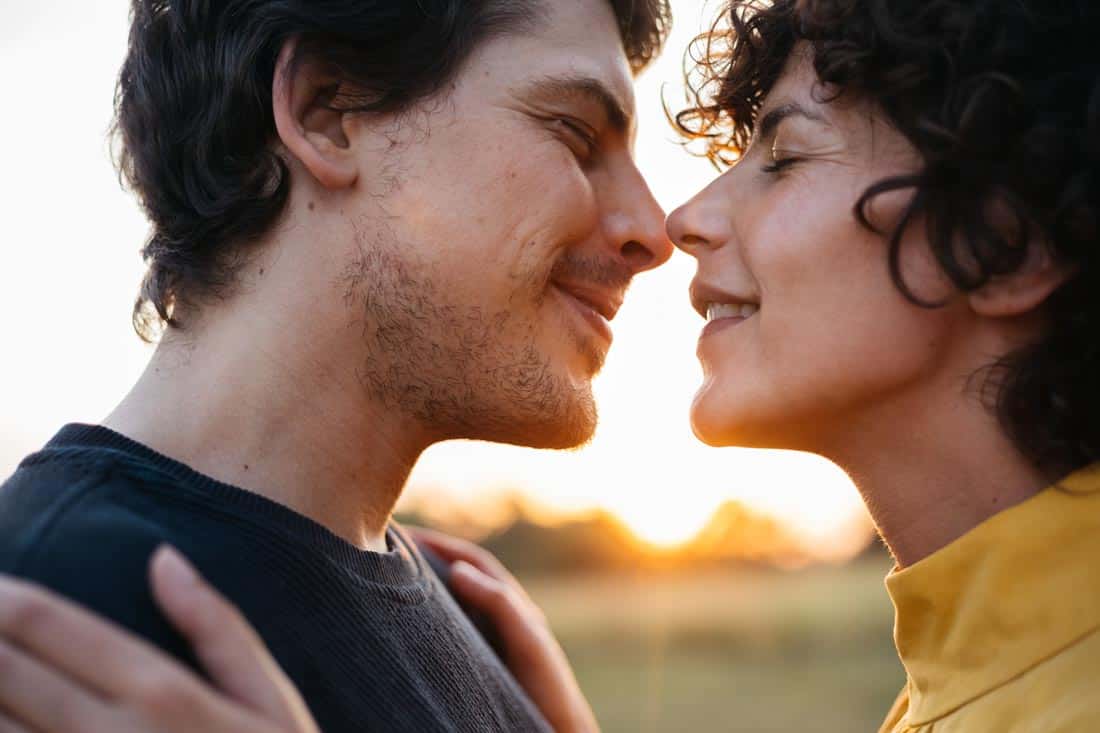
x=496, y=230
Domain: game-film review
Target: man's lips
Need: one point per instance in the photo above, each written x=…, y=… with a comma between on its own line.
x=601, y=300
x=597, y=306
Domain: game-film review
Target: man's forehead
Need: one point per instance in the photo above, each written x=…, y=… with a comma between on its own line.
x=573, y=50
x=586, y=35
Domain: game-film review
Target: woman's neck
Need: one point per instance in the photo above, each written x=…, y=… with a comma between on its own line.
x=933, y=475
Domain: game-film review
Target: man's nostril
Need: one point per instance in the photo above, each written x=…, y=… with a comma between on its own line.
x=637, y=255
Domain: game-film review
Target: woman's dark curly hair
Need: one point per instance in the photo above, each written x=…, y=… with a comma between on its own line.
x=194, y=121
x=1001, y=98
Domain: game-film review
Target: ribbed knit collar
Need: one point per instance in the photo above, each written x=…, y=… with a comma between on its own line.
x=402, y=566
x=1009, y=594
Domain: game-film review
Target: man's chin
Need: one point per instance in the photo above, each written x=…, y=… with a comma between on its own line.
x=566, y=439
x=553, y=428
x=576, y=425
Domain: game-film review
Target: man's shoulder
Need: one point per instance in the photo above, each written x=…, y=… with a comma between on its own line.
x=68, y=507
x=84, y=523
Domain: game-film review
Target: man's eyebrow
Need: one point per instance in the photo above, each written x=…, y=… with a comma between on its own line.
x=618, y=114
x=771, y=120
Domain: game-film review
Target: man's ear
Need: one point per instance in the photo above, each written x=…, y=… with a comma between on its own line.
x=309, y=129
x=1024, y=290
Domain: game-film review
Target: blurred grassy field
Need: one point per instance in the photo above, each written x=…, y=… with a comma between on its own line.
x=758, y=651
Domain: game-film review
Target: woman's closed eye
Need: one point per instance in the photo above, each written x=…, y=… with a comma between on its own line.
x=780, y=159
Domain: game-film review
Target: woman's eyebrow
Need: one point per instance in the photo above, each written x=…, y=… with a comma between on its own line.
x=771, y=120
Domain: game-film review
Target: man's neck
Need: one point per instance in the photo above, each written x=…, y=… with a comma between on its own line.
x=274, y=421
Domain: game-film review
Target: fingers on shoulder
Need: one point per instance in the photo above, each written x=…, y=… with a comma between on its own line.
x=454, y=549
x=173, y=701
x=166, y=694
x=25, y=608
x=38, y=696
x=499, y=598
x=195, y=606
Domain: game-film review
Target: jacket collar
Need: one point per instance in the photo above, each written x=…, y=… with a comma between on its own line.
x=1010, y=593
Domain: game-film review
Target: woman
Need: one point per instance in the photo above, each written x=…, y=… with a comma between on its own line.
x=899, y=273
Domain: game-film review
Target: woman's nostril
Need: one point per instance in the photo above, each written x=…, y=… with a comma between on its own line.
x=691, y=240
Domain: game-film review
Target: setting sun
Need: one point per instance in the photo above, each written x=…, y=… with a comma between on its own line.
x=660, y=527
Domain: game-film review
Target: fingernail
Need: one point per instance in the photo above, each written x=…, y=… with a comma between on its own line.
x=461, y=567
x=175, y=566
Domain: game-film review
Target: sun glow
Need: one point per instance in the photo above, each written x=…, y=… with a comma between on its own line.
x=663, y=529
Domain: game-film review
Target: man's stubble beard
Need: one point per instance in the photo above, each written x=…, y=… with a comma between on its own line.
x=459, y=371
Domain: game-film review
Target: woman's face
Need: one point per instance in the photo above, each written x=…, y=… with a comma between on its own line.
x=808, y=340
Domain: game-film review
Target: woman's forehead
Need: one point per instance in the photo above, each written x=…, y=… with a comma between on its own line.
x=865, y=130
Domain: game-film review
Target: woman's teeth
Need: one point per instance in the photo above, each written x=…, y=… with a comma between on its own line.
x=730, y=310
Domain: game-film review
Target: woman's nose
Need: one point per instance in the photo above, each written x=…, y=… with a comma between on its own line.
x=703, y=222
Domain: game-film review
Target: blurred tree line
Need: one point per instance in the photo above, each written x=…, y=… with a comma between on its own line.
x=599, y=542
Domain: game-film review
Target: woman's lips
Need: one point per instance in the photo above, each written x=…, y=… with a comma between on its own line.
x=721, y=324
x=721, y=310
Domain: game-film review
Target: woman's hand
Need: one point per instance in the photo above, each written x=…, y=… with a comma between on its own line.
x=531, y=652
x=65, y=670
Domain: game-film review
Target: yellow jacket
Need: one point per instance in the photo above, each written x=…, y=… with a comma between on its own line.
x=998, y=630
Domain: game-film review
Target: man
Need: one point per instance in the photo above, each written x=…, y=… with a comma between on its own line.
x=375, y=226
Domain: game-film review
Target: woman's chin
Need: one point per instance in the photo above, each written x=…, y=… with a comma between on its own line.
x=713, y=425
x=724, y=421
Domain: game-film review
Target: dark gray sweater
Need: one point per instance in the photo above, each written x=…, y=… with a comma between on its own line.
x=373, y=641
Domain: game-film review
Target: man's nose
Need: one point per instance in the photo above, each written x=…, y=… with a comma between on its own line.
x=634, y=222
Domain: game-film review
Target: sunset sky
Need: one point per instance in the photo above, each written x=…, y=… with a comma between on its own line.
x=70, y=269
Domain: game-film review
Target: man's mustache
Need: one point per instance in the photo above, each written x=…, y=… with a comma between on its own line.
x=610, y=273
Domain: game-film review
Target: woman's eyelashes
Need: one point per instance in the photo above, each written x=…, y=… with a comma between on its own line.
x=780, y=159
x=778, y=165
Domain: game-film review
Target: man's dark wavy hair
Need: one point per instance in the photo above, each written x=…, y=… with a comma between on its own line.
x=1002, y=100
x=194, y=121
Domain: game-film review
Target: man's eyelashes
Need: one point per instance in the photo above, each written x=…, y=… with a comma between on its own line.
x=580, y=139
